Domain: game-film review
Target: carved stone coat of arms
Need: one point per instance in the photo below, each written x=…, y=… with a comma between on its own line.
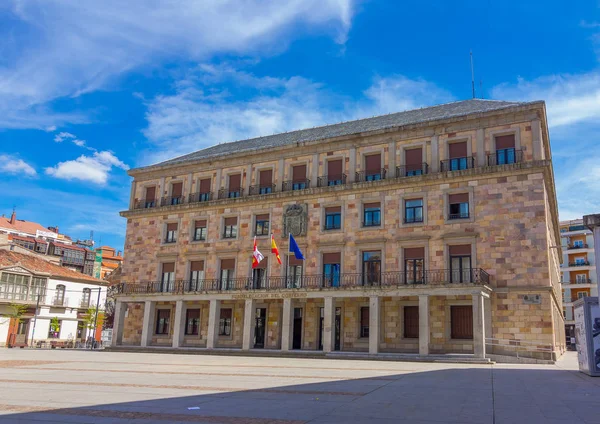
x=295, y=219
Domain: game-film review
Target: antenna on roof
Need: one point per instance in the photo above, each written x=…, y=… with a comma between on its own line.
x=472, y=73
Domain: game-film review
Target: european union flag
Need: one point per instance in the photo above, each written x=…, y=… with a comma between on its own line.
x=295, y=249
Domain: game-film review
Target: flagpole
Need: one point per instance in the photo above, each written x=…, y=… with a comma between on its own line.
x=287, y=261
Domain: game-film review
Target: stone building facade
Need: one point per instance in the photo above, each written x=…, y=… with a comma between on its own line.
x=432, y=231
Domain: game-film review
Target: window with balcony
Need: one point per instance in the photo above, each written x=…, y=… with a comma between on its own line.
x=505, y=150
x=192, y=322
x=265, y=178
x=580, y=261
x=171, y=233
x=578, y=244
x=414, y=265
x=167, y=280
x=204, y=194
x=259, y=274
x=299, y=181
x=261, y=225
x=196, y=276
x=335, y=172
x=582, y=294
x=230, y=228
x=581, y=279
x=371, y=267
x=13, y=286
x=59, y=295
x=163, y=318
x=54, y=329
x=176, y=194
x=333, y=218
x=372, y=214
x=200, y=230
x=458, y=206
x=414, y=165
x=150, y=198
x=331, y=269
x=458, y=158
x=373, y=168
x=461, y=322
x=235, y=186
x=85, y=298
x=411, y=322
x=225, y=321
x=227, y=273
x=364, y=322
x=413, y=211
x=460, y=263
x=295, y=272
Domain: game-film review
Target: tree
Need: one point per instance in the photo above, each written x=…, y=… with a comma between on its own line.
x=55, y=326
x=17, y=310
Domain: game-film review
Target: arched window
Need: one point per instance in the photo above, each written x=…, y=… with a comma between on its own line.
x=59, y=298
x=85, y=299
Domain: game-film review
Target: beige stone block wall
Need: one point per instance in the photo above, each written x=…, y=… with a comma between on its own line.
x=441, y=341
x=311, y=321
x=237, y=326
x=132, y=324
x=392, y=330
x=163, y=340
x=200, y=339
x=350, y=337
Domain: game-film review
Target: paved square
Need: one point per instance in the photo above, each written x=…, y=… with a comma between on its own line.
x=56, y=386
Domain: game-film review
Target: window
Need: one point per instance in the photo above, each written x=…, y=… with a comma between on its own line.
x=59, y=297
x=581, y=278
x=414, y=162
x=171, y=233
x=13, y=286
x=457, y=154
x=167, y=281
x=230, y=227
x=460, y=263
x=235, y=186
x=200, y=230
x=85, y=298
x=259, y=275
x=176, y=194
x=163, y=317
x=331, y=269
x=413, y=211
x=204, y=192
x=261, y=225
x=371, y=214
x=461, y=322
x=333, y=218
x=225, y=322
x=196, y=275
x=582, y=294
x=364, y=321
x=458, y=206
x=578, y=244
x=265, y=181
x=335, y=173
x=371, y=267
x=579, y=261
x=38, y=288
x=411, y=322
x=227, y=272
x=192, y=322
x=373, y=169
x=414, y=259
x=505, y=150
x=150, y=199
x=299, y=181
x=294, y=273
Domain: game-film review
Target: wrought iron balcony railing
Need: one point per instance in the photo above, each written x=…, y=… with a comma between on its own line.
x=145, y=204
x=200, y=197
x=462, y=215
x=584, y=263
x=231, y=193
x=295, y=185
x=331, y=281
x=577, y=246
x=457, y=164
x=331, y=180
x=505, y=157
x=378, y=175
x=172, y=200
x=412, y=170
x=261, y=189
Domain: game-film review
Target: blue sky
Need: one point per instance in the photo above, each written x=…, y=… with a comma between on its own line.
x=89, y=89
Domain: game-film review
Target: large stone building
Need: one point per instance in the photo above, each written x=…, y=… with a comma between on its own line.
x=431, y=231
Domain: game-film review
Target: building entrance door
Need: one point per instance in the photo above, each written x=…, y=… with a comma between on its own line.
x=338, y=328
x=17, y=332
x=297, y=341
x=259, y=328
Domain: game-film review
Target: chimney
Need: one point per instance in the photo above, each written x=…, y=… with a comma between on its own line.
x=13, y=217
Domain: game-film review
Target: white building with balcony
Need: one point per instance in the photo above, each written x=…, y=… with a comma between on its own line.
x=55, y=301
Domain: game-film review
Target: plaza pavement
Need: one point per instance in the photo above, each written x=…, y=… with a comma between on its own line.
x=58, y=386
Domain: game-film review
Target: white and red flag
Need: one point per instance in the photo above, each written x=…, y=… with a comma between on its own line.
x=256, y=255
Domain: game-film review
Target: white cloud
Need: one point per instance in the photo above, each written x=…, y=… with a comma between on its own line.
x=203, y=111
x=51, y=128
x=62, y=136
x=94, y=168
x=14, y=166
x=55, y=48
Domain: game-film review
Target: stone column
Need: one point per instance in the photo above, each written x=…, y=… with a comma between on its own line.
x=189, y=190
x=147, y=324
x=179, y=324
x=392, y=158
x=481, y=147
x=248, y=181
x=161, y=191
x=314, y=174
x=280, y=175
x=593, y=223
x=478, y=326
x=132, y=195
x=329, y=325
x=424, y=331
x=249, y=324
x=536, y=138
x=487, y=303
x=435, y=154
x=374, y=324
x=287, y=325
x=214, y=312
x=351, y=166
x=118, y=321
x=217, y=183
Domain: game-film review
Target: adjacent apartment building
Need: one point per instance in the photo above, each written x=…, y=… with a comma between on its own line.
x=578, y=270
x=431, y=231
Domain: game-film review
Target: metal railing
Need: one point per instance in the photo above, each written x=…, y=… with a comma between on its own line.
x=145, y=204
x=412, y=170
x=226, y=193
x=505, y=157
x=331, y=180
x=172, y=200
x=371, y=175
x=463, y=215
x=200, y=197
x=577, y=246
x=332, y=281
x=60, y=302
x=585, y=263
x=261, y=189
x=295, y=185
x=457, y=164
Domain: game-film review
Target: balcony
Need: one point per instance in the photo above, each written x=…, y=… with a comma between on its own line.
x=316, y=282
x=200, y=197
x=331, y=180
x=457, y=164
x=582, y=263
x=577, y=246
x=295, y=185
x=145, y=204
x=505, y=157
x=172, y=200
x=365, y=176
x=60, y=301
x=227, y=193
x=261, y=189
x=84, y=303
x=455, y=216
x=412, y=170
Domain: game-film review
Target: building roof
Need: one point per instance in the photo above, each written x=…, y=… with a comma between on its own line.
x=393, y=120
x=37, y=265
x=21, y=225
x=110, y=265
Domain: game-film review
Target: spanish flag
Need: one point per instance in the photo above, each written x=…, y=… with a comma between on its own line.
x=274, y=249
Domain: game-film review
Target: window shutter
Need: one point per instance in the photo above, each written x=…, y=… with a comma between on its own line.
x=172, y=226
x=373, y=163
x=332, y=258
x=263, y=264
x=333, y=209
x=457, y=150
x=266, y=178
x=197, y=266
x=299, y=173
x=225, y=313
x=205, y=185
x=414, y=253
x=372, y=205
x=264, y=217
x=505, y=142
x=458, y=198
x=292, y=261
x=411, y=322
x=200, y=223
x=334, y=168
x=414, y=156
x=168, y=267
x=235, y=182
x=230, y=221
x=227, y=263
x=461, y=322
x=150, y=193
x=461, y=249
x=177, y=190
x=364, y=316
